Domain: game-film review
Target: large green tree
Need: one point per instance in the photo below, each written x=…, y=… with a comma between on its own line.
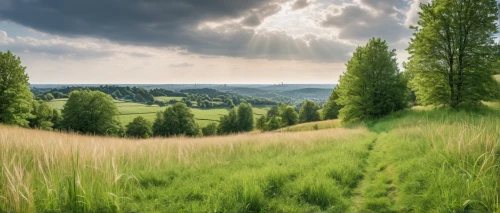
x=91, y=112
x=332, y=108
x=139, y=128
x=15, y=95
x=452, y=52
x=176, y=120
x=309, y=112
x=245, y=117
x=372, y=86
x=229, y=123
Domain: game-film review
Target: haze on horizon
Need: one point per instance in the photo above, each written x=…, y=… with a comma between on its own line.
x=205, y=42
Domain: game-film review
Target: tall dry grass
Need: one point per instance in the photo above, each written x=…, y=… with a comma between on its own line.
x=42, y=171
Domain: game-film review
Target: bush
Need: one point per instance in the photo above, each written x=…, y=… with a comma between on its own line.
x=209, y=130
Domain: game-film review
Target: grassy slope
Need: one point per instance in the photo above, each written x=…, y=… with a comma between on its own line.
x=434, y=161
x=130, y=110
x=165, y=98
x=264, y=172
x=413, y=161
x=328, y=124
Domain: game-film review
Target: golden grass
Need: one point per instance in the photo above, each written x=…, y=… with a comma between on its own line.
x=33, y=161
x=328, y=124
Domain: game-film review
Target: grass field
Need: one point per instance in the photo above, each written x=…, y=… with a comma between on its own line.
x=328, y=124
x=167, y=99
x=130, y=110
x=412, y=161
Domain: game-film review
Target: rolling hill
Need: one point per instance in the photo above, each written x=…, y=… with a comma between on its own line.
x=412, y=161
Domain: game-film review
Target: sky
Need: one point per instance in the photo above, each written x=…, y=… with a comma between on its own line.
x=196, y=41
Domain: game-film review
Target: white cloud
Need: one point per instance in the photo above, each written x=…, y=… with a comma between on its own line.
x=4, y=38
x=412, y=14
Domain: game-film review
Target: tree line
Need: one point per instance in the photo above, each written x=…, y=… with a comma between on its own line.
x=93, y=110
x=453, y=58
x=452, y=63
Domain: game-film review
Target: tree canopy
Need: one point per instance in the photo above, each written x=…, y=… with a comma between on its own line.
x=15, y=95
x=289, y=116
x=372, y=86
x=91, y=112
x=139, y=128
x=229, y=123
x=237, y=121
x=332, y=108
x=209, y=130
x=245, y=117
x=176, y=120
x=43, y=116
x=453, y=51
x=309, y=112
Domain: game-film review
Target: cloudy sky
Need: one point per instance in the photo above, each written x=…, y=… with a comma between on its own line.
x=197, y=41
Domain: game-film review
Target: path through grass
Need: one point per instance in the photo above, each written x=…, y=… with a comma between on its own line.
x=412, y=161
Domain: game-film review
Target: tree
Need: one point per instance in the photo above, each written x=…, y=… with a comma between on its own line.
x=228, y=123
x=91, y=112
x=139, y=98
x=139, y=128
x=372, y=86
x=309, y=112
x=50, y=96
x=56, y=119
x=452, y=52
x=245, y=117
x=209, y=130
x=206, y=104
x=274, y=123
x=289, y=116
x=158, y=124
x=42, y=117
x=188, y=103
x=273, y=112
x=331, y=109
x=15, y=95
x=261, y=123
x=177, y=120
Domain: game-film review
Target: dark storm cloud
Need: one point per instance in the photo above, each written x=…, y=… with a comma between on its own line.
x=144, y=22
x=174, y=24
x=256, y=16
x=52, y=47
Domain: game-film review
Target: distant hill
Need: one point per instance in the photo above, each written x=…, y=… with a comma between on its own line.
x=308, y=93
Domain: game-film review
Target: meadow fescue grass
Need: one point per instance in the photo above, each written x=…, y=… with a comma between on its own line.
x=435, y=161
x=328, y=124
x=47, y=171
x=412, y=161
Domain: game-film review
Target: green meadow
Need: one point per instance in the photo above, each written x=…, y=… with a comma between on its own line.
x=167, y=99
x=426, y=160
x=130, y=110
